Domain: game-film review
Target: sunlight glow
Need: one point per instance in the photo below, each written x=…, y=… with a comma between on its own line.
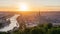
x=23, y=7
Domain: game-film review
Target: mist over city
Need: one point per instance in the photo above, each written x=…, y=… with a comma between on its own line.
x=29, y=16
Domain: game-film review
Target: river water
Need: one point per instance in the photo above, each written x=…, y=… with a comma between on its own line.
x=12, y=24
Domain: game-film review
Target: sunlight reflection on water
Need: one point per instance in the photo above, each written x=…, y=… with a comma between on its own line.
x=12, y=24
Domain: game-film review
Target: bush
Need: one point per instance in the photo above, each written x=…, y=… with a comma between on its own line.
x=40, y=29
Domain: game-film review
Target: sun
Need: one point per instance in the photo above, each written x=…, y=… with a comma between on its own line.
x=23, y=7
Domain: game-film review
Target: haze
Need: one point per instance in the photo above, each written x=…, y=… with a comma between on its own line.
x=34, y=5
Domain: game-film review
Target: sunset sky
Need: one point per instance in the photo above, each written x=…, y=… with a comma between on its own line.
x=33, y=5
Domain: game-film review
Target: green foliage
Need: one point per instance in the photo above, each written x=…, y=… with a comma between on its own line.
x=2, y=32
x=37, y=31
x=40, y=29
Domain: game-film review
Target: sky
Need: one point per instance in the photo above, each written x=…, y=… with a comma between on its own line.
x=34, y=5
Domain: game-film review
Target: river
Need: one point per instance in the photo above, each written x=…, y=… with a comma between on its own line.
x=13, y=23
